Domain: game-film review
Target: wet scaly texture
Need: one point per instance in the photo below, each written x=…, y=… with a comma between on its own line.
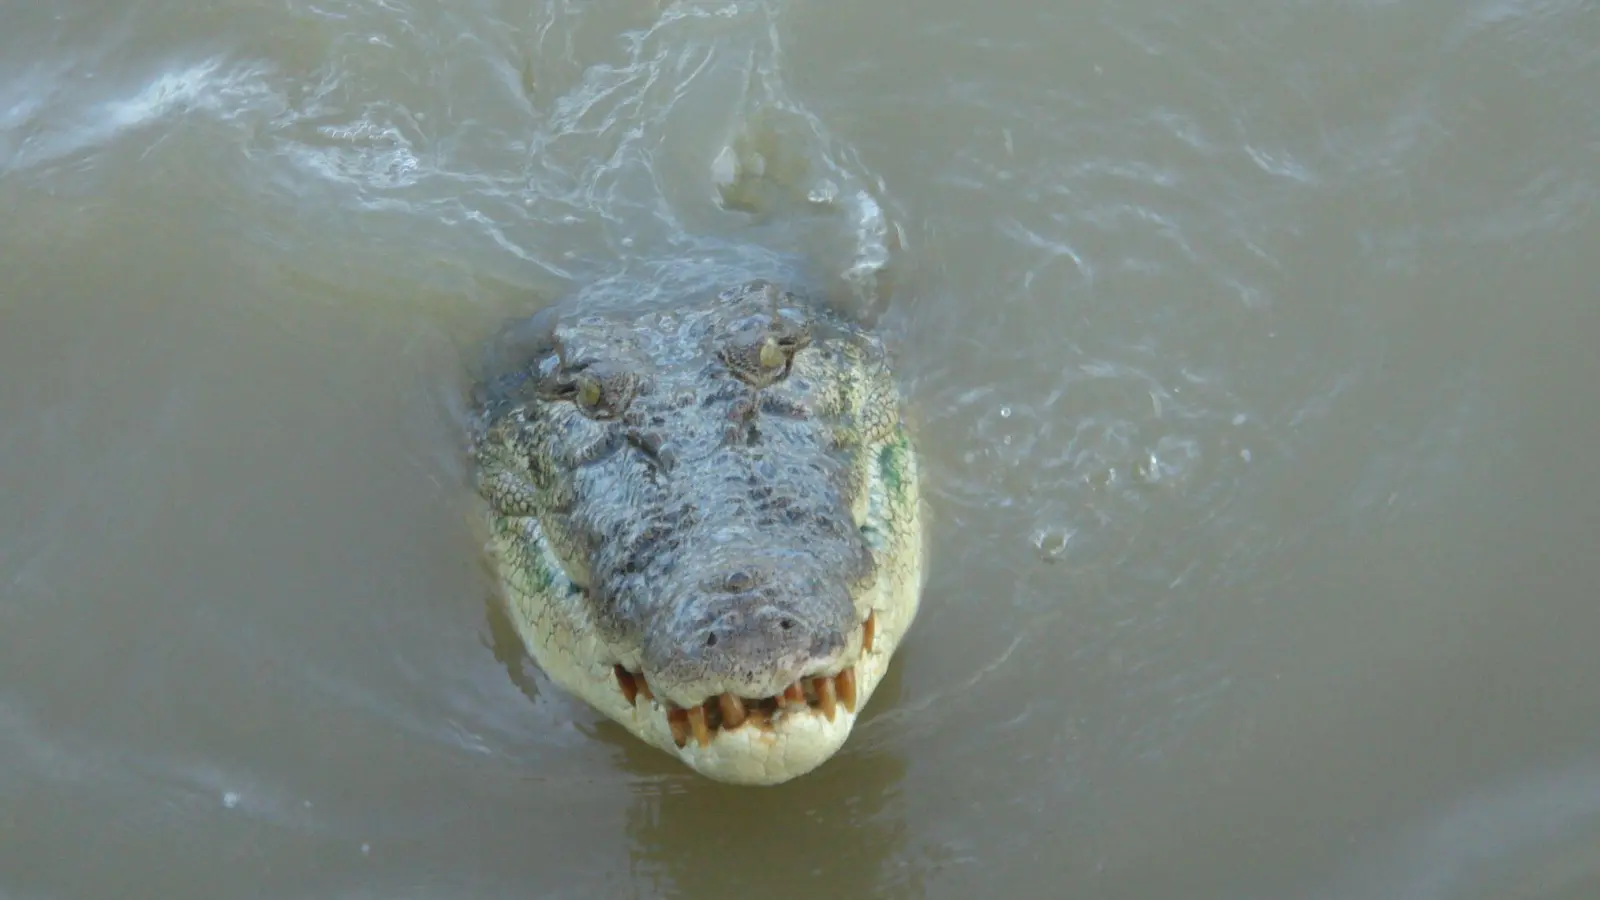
x=706, y=522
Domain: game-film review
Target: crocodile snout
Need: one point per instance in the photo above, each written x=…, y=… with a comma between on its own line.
x=752, y=634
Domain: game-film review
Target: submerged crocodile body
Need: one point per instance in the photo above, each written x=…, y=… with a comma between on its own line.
x=706, y=522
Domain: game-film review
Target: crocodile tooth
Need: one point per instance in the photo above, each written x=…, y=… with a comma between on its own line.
x=846, y=683
x=626, y=682
x=826, y=698
x=732, y=711
x=757, y=716
x=678, y=721
x=697, y=722
x=644, y=686
x=794, y=695
x=867, y=630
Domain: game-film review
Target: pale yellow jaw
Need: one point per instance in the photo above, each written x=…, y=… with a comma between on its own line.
x=824, y=694
x=765, y=740
x=778, y=738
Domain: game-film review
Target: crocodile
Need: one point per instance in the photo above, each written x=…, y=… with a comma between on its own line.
x=704, y=520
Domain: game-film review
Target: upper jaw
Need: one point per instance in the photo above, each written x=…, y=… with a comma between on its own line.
x=685, y=683
x=796, y=743
x=831, y=697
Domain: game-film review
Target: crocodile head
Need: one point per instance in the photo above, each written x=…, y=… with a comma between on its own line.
x=705, y=522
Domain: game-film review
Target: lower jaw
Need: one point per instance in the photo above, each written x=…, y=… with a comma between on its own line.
x=767, y=749
x=773, y=741
x=792, y=746
x=743, y=741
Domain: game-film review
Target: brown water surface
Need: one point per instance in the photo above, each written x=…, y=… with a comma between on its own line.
x=1252, y=347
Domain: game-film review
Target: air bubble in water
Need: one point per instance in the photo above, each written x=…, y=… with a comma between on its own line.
x=1051, y=542
x=230, y=799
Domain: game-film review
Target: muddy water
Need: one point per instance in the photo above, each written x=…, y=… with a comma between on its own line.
x=1251, y=346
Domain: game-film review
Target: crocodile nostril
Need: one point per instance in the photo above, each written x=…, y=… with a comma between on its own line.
x=711, y=639
x=786, y=624
x=738, y=582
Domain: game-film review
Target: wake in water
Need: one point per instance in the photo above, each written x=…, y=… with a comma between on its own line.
x=552, y=146
x=690, y=149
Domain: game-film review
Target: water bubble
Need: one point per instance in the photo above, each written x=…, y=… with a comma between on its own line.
x=1051, y=542
x=230, y=800
x=1005, y=412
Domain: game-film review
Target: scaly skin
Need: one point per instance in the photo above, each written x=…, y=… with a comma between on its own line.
x=694, y=511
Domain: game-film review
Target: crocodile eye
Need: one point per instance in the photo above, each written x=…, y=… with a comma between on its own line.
x=599, y=391
x=759, y=350
x=586, y=392
x=772, y=356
